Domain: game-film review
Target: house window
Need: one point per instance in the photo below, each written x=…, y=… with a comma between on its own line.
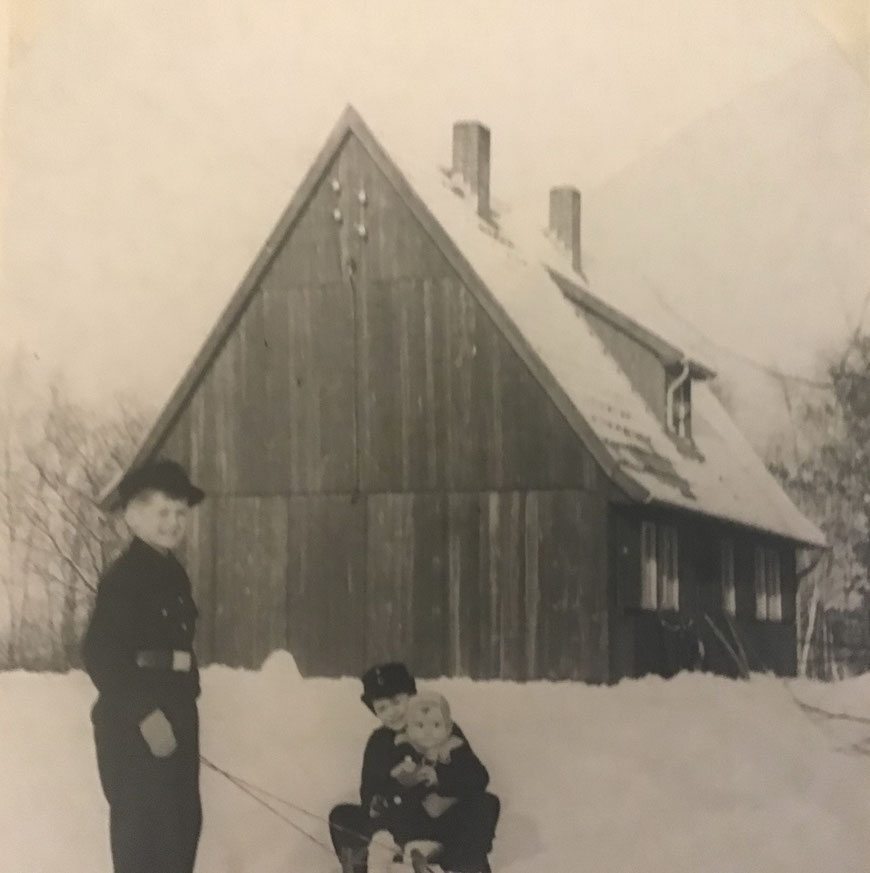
x=659, y=573
x=679, y=407
x=768, y=584
x=726, y=575
x=649, y=566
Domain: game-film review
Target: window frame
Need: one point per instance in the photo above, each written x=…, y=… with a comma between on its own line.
x=648, y=565
x=669, y=568
x=768, y=583
x=679, y=427
x=727, y=575
x=659, y=567
x=773, y=570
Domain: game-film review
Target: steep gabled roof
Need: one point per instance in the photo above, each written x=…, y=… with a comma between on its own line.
x=529, y=288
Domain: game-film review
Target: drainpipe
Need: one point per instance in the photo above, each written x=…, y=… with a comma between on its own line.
x=672, y=390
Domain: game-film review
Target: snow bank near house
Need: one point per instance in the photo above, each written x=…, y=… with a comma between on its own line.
x=680, y=776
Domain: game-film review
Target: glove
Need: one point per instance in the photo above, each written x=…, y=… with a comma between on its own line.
x=157, y=732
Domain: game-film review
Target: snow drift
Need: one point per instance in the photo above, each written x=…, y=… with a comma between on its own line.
x=691, y=774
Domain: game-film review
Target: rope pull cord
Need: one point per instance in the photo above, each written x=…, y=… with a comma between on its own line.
x=255, y=791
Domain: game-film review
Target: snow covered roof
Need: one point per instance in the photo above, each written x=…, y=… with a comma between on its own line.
x=521, y=267
x=520, y=275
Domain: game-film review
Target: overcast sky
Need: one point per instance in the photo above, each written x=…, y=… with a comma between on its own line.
x=149, y=147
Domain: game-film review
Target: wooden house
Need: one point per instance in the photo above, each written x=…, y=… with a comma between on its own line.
x=424, y=437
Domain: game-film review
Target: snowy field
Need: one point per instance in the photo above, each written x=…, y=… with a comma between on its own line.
x=691, y=775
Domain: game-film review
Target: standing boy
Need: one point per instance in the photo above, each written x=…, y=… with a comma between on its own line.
x=138, y=651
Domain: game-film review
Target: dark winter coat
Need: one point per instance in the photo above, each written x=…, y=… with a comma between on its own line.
x=144, y=612
x=463, y=775
x=466, y=830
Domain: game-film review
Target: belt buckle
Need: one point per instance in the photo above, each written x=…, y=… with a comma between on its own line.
x=181, y=661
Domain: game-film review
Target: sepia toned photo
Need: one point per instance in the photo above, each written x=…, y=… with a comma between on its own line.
x=435, y=436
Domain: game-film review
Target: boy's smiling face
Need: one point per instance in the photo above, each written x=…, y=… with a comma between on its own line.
x=427, y=728
x=391, y=710
x=158, y=519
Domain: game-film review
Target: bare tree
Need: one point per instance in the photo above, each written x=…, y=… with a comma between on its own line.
x=57, y=537
x=831, y=484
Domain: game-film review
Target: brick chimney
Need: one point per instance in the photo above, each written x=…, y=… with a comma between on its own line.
x=565, y=220
x=471, y=160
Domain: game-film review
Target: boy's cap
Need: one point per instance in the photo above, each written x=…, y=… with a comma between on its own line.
x=166, y=476
x=386, y=680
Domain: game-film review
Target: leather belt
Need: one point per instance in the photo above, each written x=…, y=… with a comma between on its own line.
x=165, y=659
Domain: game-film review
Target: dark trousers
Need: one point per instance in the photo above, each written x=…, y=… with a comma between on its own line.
x=155, y=814
x=466, y=831
x=351, y=828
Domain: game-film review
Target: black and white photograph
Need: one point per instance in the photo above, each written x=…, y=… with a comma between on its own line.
x=435, y=437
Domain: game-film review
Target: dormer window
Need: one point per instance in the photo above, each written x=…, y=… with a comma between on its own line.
x=678, y=402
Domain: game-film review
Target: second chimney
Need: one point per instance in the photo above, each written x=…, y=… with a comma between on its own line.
x=565, y=220
x=471, y=160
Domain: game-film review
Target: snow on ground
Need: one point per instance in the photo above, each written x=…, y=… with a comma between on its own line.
x=690, y=775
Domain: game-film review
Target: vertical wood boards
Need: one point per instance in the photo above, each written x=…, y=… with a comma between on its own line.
x=369, y=345
x=250, y=568
x=199, y=563
x=381, y=449
x=572, y=620
x=445, y=402
x=464, y=585
x=394, y=245
x=326, y=584
x=407, y=565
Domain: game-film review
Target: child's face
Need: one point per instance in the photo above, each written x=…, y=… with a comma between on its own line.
x=427, y=728
x=158, y=519
x=391, y=710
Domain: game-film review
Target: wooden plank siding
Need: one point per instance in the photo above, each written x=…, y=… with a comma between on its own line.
x=250, y=588
x=386, y=477
x=407, y=609
x=572, y=566
x=368, y=382
x=326, y=583
x=446, y=403
x=449, y=581
x=198, y=556
x=643, y=641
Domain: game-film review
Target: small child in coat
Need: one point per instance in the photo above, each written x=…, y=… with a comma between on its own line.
x=387, y=690
x=441, y=808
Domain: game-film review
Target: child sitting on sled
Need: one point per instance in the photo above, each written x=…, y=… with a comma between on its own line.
x=387, y=689
x=442, y=811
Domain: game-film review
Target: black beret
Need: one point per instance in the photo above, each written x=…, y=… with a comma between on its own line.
x=165, y=476
x=386, y=680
